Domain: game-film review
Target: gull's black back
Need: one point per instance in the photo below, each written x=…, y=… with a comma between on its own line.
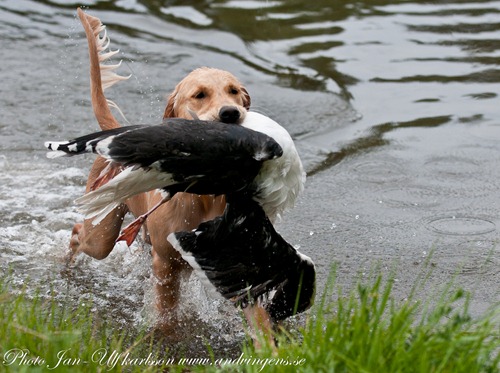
x=207, y=157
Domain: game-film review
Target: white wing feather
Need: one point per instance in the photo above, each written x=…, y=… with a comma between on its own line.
x=100, y=202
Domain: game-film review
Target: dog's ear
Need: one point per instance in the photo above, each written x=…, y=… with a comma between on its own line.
x=169, y=110
x=246, y=98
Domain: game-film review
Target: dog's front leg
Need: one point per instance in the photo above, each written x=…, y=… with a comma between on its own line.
x=260, y=325
x=167, y=274
x=96, y=241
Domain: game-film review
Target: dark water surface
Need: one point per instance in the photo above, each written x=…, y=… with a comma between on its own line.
x=393, y=105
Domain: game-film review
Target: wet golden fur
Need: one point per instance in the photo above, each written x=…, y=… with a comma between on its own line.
x=202, y=93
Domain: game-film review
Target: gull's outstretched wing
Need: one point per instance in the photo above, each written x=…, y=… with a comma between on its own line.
x=179, y=155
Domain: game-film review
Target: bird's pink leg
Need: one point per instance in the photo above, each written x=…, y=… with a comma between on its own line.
x=130, y=232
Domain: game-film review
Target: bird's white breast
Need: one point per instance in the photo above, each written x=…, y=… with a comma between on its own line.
x=280, y=180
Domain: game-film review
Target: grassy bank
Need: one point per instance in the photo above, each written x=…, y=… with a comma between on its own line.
x=364, y=330
x=40, y=334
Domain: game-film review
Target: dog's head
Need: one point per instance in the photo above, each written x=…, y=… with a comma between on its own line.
x=209, y=94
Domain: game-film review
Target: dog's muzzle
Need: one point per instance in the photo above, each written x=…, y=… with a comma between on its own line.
x=229, y=114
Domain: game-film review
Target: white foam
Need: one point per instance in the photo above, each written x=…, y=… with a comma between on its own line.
x=38, y=215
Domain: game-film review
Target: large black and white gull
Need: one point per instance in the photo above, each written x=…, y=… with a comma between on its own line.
x=254, y=164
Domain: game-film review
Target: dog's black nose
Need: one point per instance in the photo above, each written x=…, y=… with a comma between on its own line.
x=229, y=114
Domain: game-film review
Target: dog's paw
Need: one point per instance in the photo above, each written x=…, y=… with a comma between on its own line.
x=74, y=243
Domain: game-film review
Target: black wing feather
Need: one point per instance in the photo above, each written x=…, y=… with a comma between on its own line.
x=189, y=141
x=87, y=143
x=208, y=157
x=244, y=258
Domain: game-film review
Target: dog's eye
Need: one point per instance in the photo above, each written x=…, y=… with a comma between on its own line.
x=233, y=91
x=200, y=95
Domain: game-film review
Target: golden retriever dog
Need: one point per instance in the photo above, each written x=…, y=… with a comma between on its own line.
x=205, y=93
